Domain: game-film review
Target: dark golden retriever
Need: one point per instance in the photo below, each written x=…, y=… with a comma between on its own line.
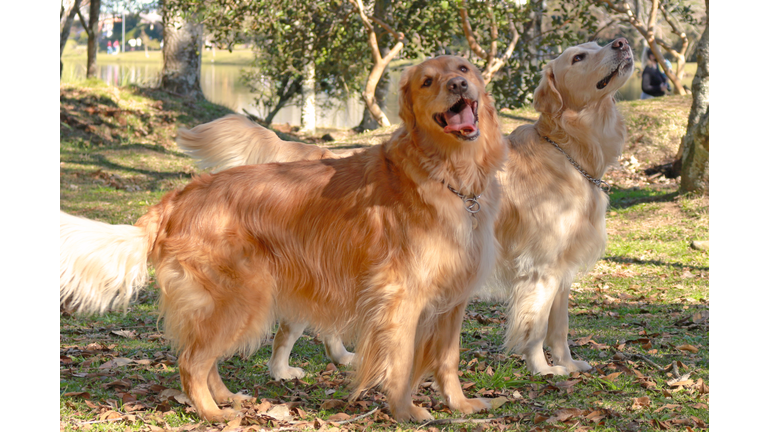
x=552, y=220
x=383, y=248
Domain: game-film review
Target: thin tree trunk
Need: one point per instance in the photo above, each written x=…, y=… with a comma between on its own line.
x=308, y=114
x=695, y=144
x=369, y=122
x=182, y=56
x=92, y=29
x=290, y=91
x=69, y=9
x=379, y=63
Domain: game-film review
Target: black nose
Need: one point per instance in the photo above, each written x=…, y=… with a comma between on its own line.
x=457, y=85
x=620, y=44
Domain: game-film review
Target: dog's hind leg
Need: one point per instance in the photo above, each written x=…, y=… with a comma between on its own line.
x=194, y=369
x=446, y=341
x=557, y=334
x=528, y=316
x=286, y=336
x=209, y=316
x=219, y=390
x=335, y=350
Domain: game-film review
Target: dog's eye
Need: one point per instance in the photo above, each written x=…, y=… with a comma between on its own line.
x=427, y=82
x=578, y=58
x=464, y=69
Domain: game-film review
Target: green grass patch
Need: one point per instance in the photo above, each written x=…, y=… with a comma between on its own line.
x=640, y=316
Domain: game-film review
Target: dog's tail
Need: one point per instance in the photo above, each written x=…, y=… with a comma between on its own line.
x=235, y=141
x=102, y=266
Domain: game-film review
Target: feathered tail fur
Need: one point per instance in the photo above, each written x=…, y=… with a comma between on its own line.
x=102, y=266
x=236, y=141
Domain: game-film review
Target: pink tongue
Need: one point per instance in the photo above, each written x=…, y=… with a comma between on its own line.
x=463, y=121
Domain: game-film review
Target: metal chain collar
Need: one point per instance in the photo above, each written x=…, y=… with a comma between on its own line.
x=601, y=184
x=470, y=204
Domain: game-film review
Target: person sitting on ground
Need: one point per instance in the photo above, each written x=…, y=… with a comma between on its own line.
x=654, y=82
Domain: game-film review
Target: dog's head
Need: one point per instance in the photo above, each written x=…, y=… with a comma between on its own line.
x=582, y=75
x=444, y=95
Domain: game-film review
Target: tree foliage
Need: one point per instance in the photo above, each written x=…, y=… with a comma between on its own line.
x=545, y=30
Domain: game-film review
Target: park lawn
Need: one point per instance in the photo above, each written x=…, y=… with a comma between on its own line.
x=640, y=316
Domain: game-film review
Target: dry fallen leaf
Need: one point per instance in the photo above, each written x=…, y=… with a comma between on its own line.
x=332, y=404
x=116, y=362
x=687, y=347
x=280, y=412
x=233, y=425
x=84, y=395
x=339, y=417
x=497, y=402
x=130, y=334
x=640, y=403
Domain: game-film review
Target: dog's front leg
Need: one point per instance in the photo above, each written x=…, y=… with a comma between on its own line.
x=447, y=338
x=557, y=333
x=528, y=319
x=386, y=353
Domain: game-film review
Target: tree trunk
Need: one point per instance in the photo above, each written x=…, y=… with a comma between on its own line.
x=369, y=122
x=288, y=91
x=695, y=144
x=182, y=55
x=69, y=9
x=308, y=114
x=93, y=38
x=379, y=63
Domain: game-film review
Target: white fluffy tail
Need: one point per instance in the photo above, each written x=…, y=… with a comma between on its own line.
x=102, y=266
x=234, y=140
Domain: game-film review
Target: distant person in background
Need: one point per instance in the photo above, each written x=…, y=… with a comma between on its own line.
x=117, y=48
x=654, y=82
x=109, y=47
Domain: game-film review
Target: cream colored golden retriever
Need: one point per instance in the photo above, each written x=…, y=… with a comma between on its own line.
x=552, y=220
x=383, y=248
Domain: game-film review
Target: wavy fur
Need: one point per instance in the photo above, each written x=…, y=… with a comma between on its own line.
x=552, y=220
x=95, y=283
x=377, y=238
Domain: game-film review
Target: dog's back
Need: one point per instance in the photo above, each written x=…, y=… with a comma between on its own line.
x=234, y=140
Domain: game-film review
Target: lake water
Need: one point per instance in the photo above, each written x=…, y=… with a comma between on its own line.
x=221, y=84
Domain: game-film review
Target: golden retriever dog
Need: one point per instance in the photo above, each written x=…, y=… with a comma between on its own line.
x=552, y=220
x=383, y=248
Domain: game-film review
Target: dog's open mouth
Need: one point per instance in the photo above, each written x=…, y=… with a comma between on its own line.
x=460, y=119
x=604, y=82
x=621, y=68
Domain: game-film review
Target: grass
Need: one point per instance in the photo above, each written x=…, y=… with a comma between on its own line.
x=639, y=316
x=239, y=56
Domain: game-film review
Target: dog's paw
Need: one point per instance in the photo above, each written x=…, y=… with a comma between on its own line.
x=287, y=373
x=220, y=416
x=411, y=413
x=470, y=406
x=345, y=359
x=576, y=366
x=551, y=370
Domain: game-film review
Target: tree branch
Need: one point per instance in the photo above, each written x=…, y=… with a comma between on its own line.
x=85, y=25
x=594, y=35
x=494, y=33
x=469, y=34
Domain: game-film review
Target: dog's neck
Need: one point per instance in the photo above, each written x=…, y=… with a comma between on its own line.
x=466, y=166
x=593, y=136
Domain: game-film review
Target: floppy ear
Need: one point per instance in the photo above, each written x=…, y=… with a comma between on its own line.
x=546, y=98
x=406, y=104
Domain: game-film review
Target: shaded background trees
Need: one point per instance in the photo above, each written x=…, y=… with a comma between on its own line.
x=343, y=49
